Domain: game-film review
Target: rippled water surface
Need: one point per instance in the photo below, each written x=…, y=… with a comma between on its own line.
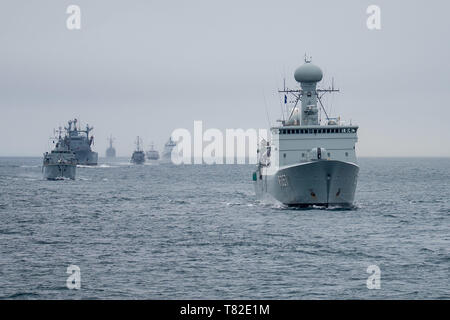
x=188, y=232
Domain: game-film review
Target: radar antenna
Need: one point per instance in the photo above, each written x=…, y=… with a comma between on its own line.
x=298, y=93
x=308, y=59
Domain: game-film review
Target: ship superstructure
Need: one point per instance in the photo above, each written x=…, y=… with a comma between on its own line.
x=80, y=143
x=308, y=162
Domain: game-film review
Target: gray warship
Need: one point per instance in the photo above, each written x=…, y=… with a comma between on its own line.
x=110, y=152
x=80, y=143
x=152, y=154
x=167, y=152
x=60, y=163
x=138, y=156
x=307, y=161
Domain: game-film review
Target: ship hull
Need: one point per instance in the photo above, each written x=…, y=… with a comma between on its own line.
x=110, y=153
x=138, y=158
x=166, y=159
x=86, y=158
x=322, y=183
x=152, y=156
x=59, y=171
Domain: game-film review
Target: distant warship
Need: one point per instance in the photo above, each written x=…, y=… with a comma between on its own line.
x=308, y=162
x=152, y=154
x=168, y=147
x=60, y=163
x=138, y=156
x=110, y=152
x=80, y=143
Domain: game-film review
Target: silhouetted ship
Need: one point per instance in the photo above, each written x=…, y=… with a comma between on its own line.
x=152, y=154
x=138, y=156
x=110, y=152
x=168, y=147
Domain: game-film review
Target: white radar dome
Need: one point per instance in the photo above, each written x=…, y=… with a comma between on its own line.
x=308, y=72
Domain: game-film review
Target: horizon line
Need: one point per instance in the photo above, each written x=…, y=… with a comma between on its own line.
x=359, y=157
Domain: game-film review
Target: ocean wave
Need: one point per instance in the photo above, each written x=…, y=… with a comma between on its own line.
x=103, y=165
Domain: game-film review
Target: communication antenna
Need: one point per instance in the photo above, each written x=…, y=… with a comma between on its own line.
x=308, y=60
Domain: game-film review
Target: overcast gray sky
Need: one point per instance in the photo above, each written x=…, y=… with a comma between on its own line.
x=147, y=67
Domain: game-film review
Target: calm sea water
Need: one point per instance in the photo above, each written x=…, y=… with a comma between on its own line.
x=188, y=232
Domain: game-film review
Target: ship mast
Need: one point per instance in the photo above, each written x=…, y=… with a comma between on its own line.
x=308, y=75
x=111, y=139
x=138, y=147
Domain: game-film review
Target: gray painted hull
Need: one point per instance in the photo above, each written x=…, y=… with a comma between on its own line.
x=110, y=153
x=138, y=157
x=323, y=183
x=87, y=158
x=61, y=171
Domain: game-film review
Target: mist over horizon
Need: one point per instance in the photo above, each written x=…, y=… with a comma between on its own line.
x=145, y=68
